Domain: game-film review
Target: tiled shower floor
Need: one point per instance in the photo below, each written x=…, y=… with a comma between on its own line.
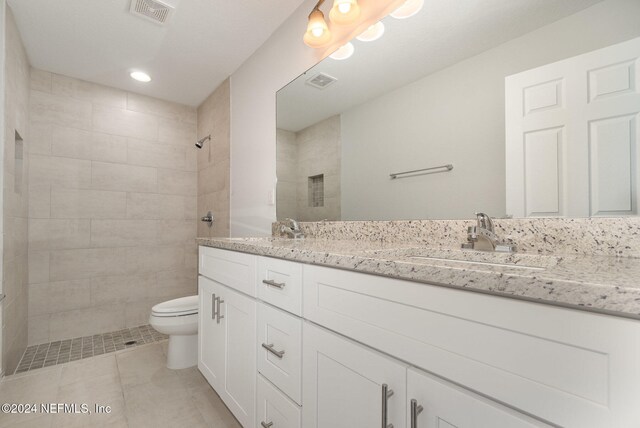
x=63, y=351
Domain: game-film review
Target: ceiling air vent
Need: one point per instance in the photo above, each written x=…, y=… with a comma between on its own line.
x=321, y=81
x=151, y=10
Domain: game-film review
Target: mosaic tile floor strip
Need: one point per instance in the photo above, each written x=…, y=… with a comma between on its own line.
x=63, y=351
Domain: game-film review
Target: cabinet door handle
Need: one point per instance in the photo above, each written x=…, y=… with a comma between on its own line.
x=415, y=411
x=218, y=316
x=386, y=394
x=269, y=348
x=272, y=283
x=213, y=306
x=266, y=425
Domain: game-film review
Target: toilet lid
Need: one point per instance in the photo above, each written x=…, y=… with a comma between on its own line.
x=177, y=307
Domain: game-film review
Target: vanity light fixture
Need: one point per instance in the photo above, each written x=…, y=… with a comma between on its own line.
x=372, y=33
x=317, y=34
x=140, y=76
x=343, y=52
x=408, y=9
x=344, y=12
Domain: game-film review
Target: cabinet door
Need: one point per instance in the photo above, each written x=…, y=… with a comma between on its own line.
x=344, y=383
x=444, y=405
x=238, y=321
x=211, y=336
x=275, y=408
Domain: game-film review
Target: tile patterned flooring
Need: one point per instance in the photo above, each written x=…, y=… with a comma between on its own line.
x=134, y=382
x=64, y=351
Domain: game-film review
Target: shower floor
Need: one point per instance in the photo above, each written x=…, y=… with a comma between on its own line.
x=64, y=351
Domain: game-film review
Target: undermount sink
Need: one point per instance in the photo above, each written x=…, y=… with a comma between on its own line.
x=471, y=258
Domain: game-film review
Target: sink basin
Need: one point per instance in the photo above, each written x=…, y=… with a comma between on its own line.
x=471, y=259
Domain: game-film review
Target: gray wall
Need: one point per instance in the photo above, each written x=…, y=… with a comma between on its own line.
x=457, y=116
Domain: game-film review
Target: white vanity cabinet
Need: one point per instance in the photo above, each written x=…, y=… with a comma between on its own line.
x=227, y=329
x=347, y=385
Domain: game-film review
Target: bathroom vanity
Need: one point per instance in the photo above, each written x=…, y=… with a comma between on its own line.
x=319, y=333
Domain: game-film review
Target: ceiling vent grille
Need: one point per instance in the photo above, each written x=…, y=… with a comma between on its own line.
x=151, y=10
x=321, y=80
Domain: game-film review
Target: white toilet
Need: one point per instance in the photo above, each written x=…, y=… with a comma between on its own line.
x=179, y=319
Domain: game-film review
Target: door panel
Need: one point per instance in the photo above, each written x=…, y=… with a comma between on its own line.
x=211, y=336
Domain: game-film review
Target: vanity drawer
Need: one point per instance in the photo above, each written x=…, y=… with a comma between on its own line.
x=274, y=407
x=569, y=367
x=233, y=269
x=280, y=283
x=280, y=349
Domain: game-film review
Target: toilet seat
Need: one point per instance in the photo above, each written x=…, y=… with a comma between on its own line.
x=176, y=307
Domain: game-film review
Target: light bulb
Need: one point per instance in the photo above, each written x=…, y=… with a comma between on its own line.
x=344, y=7
x=372, y=33
x=344, y=12
x=317, y=34
x=343, y=52
x=408, y=9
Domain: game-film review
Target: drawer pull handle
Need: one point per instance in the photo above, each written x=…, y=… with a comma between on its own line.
x=266, y=425
x=213, y=306
x=272, y=283
x=386, y=394
x=269, y=348
x=218, y=316
x=415, y=411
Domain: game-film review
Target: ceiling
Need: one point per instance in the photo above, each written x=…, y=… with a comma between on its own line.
x=203, y=43
x=444, y=33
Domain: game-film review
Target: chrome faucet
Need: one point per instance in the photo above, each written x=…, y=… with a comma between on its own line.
x=293, y=230
x=483, y=236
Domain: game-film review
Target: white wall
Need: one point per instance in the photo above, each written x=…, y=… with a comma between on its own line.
x=457, y=116
x=253, y=112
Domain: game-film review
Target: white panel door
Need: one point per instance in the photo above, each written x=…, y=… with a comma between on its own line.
x=238, y=319
x=440, y=404
x=211, y=336
x=343, y=383
x=572, y=135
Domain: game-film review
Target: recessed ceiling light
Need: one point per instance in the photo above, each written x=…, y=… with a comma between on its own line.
x=343, y=52
x=140, y=76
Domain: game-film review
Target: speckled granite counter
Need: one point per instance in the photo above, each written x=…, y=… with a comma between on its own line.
x=603, y=284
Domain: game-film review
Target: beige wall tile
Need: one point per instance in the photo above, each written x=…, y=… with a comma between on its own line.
x=175, y=132
x=130, y=178
x=154, y=206
x=176, y=231
x=213, y=178
x=40, y=80
x=108, y=148
x=85, y=263
x=125, y=123
x=58, y=171
x=144, y=104
x=49, y=298
x=38, y=329
x=78, y=203
x=81, y=144
x=64, y=111
x=39, y=201
x=50, y=234
x=40, y=138
x=176, y=283
x=175, y=182
x=150, y=153
x=155, y=258
x=38, y=266
x=123, y=233
x=98, y=94
x=82, y=322
x=121, y=288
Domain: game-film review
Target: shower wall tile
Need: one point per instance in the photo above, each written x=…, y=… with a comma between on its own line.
x=213, y=164
x=15, y=201
x=126, y=123
x=113, y=213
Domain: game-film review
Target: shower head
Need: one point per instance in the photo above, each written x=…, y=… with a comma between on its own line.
x=201, y=141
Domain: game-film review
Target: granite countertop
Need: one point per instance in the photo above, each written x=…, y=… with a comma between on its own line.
x=604, y=284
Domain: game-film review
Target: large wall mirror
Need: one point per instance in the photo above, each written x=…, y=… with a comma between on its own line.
x=512, y=107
